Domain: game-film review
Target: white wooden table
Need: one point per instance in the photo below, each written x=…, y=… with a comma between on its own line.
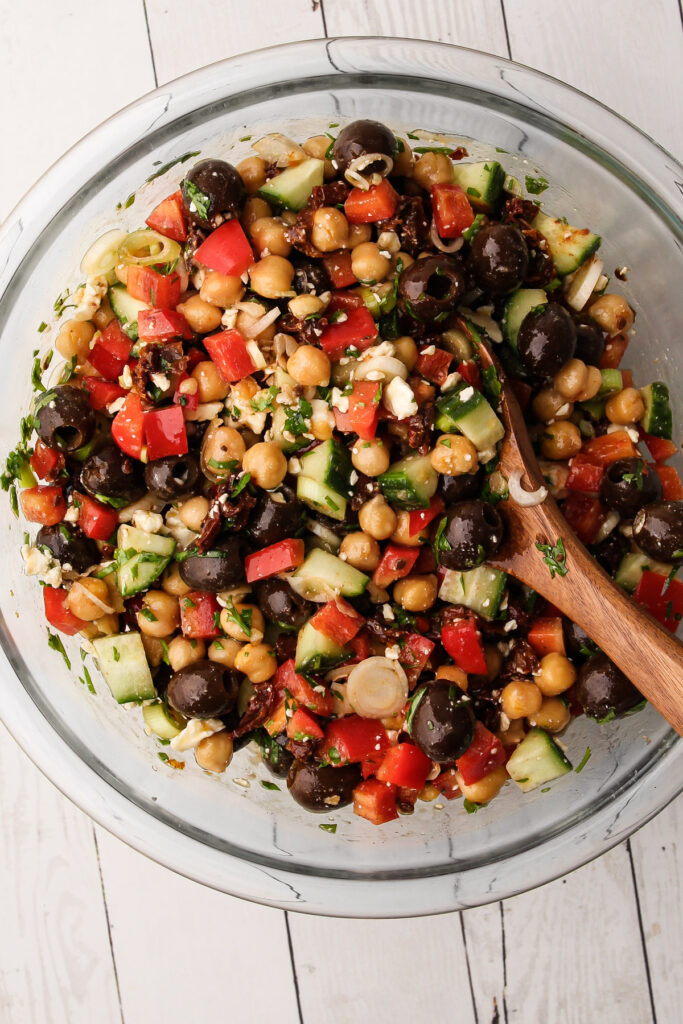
x=91, y=931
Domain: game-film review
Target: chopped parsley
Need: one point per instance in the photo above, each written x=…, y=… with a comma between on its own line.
x=476, y=225
x=86, y=680
x=471, y=807
x=69, y=370
x=555, y=557
x=414, y=703
x=637, y=476
x=265, y=399
x=148, y=614
x=536, y=185
x=56, y=644
x=584, y=760
x=474, y=192
x=244, y=480
x=269, y=785
x=432, y=149
x=200, y=201
x=491, y=381
x=328, y=828
x=42, y=326
x=116, y=653
x=170, y=164
x=334, y=756
x=297, y=417
x=241, y=619
x=440, y=543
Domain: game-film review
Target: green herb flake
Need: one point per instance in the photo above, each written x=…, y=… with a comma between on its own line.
x=55, y=643
x=414, y=704
x=440, y=543
x=536, y=185
x=170, y=164
x=492, y=385
x=116, y=653
x=297, y=417
x=148, y=614
x=241, y=619
x=42, y=326
x=474, y=228
x=555, y=557
x=199, y=199
x=328, y=828
x=162, y=756
x=546, y=789
x=243, y=482
x=269, y=785
x=265, y=400
x=474, y=192
x=584, y=760
x=87, y=680
x=471, y=807
x=334, y=756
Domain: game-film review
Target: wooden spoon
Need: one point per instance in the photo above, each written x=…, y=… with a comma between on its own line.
x=643, y=649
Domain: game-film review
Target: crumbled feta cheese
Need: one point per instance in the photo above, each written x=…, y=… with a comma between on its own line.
x=393, y=652
x=148, y=503
x=196, y=730
x=229, y=318
x=53, y=577
x=116, y=405
x=126, y=378
x=150, y=522
x=614, y=428
x=353, y=478
x=399, y=399
x=429, y=351
x=510, y=625
x=389, y=240
x=294, y=466
x=204, y=411
x=385, y=348
x=466, y=394
x=388, y=613
x=450, y=381
x=374, y=375
x=90, y=299
x=71, y=515
x=339, y=401
x=563, y=410
x=487, y=454
x=37, y=562
x=161, y=381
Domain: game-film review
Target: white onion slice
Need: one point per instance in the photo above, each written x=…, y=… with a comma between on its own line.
x=354, y=175
x=377, y=688
x=451, y=246
x=525, y=498
x=102, y=256
x=261, y=324
x=583, y=283
x=105, y=608
x=482, y=318
x=383, y=368
x=611, y=522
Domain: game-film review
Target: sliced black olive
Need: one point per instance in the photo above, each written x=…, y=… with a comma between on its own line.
x=65, y=419
x=211, y=188
x=610, y=551
x=204, y=689
x=173, y=476
x=69, y=545
x=113, y=475
x=280, y=604
x=277, y=759
x=443, y=723
x=310, y=277
x=459, y=488
x=658, y=530
x=430, y=288
x=628, y=485
x=473, y=533
x=320, y=787
x=359, y=138
x=218, y=569
x=603, y=691
x=590, y=343
x=500, y=258
x=277, y=514
x=546, y=339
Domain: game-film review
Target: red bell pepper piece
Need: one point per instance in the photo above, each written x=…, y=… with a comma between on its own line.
x=584, y=475
x=546, y=636
x=58, y=615
x=229, y=352
x=375, y=801
x=352, y=738
x=484, y=754
x=344, y=300
x=434, y=365
x=169, y=218
x=422, y=517
x=96, y=520
x=302, y=727
x=627, y=378
x=358, y=330
x=608, y=448
x=320, y=700
x=339, y=271
x=396, y=563
x=148, y=285
x=194, y=356
x=128, y=426
x=280, y=557
x=447, y=783
x=672, y=487
x=360, y=645
x=462, y=640
x=379, y=202
x=362, y=415
x=199, y=612
x=613, y=352
x=584, y=514
x=46, y=462
x=469, y=371
x=43, y=504
x=452, y=211
x=162, y=325
x=111, y=351
x=226, y=250
x=338, y=620
x=662, y=597
x=405, y=765
x=415, y=654
x=659, y=448
x=165, y=432
x=102, y=392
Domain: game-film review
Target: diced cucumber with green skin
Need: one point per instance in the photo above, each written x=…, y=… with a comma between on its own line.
x=480, y=589
x=595, y=408
x=569, y=246
x=125, y=308
x=465, y=409
x=139, y=572
x=293, y=186
x=633, y=565
x=316, y=652
x=537, y=759
x=129, y=537
x=323, y=571
x=612, y=382
x=321, y=498
x=163, y=722
x=482, y=183
x=410, y=483
x=123, y=663
x=329, y=464
x=658, y=419
x=516, y=308
x=277, y=433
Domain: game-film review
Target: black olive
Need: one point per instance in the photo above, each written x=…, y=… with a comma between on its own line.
x=362, y=137
x=211, y=188
x=430, y=288
x=173, y=477
x=204, y=689
x=65, y=419
x=610, y=551
x=310, y=277
x=277, y=759
x=590, y=343
x=280, y=604
x=546, y=339
x=443, y=723
x=628, y=485
x=658, y=530
x=110, y=473
x=603, y=691
x=321, y=787
x=277, y=514
x=69, y=545
x=459, y=488
x=500, y=258
x=218, y=569
x=473, y=533
x=579, y=645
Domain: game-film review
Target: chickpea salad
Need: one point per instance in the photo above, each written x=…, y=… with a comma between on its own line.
x=266, y=475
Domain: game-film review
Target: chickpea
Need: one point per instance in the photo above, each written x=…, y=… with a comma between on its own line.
x=377, y=518
x=173, y=583
x=416, y=593
x=74, y=340
x=330, y=229
x=268, y=235
x=79, y=598
x=433, y=169
x=272, y=277
x=243, y=391
x=256, y=661
x=553, y=715
x=193, y=512
x=592, y=385
x=549, y=405
x=211, y=387
x=561, y=440
x=309, y=366
x=514, y=733
x=612, y=313
x=428, y=792
x=154, y=649
x=251, y=615
x=403, y=160
x=266, y=463
x=370, y=457
x=368, y=263
x=322, y=420
x=405, y=259
x=224, y=651
x=454, y=674
x=160, y=614
x=220, y=446
x=571, y=379
x=406, y=350
x=360, y=550
x=221, y=289
x=214, y=753
x=483, y=792
x=305, y=305
x=402, y=535
x=358, y=235
x=317, y=146
x=555, y=675
x=107, y=625
x=625, y=408
x=103, y=316
x=454, y=455
x=252, y=171
x=201, y=316
x=254, y=208
x=520, y=699
x=182, y=652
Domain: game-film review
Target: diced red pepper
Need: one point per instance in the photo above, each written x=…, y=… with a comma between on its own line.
x=148, y=285
x=405, y=765
x=128, y=426
x=422, y=517
x=226, y=250
x=659, y=448
x=462, y=640
x=360, y=645
x=229, y=352
x=379, y=202
x=165, y=432
x=169, y=218
x=613, y=352
x=111, y=351
x=339, y=271
x=46, y=462
x=281, y=557
x=102, y=392
x=362, y=414
x=584, y=514
x=338, y=620
x=426, y=561
x=199, y=612
x=415, y=654
x=607, y=448
x=396, y=562
x=302, y=727
x=672, y=487
x=452, y=210
x=321, y=701
x=375, y=801
x=434, y=365
x=484, y=754
x=469, y=371
x=162, y=325
x=546, y=636
x=627, y=378
x=358, y=330
x=351, y=739
x=43, y=504
x=663, y=598
x=584, y=475
x=58, y=615
x=194, y=356
x=447, y=783
x=96, y=520
x=344, y=300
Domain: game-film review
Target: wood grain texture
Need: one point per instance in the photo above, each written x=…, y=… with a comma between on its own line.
x=485, y=944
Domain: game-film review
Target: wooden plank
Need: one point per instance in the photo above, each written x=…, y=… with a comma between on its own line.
x=55, y=958
x=484, y=942
x=184, y=952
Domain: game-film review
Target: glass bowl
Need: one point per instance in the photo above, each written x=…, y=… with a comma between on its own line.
x=230, y=832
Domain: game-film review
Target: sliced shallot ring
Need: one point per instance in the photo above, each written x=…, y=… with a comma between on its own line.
x=521, y=497
x=451, y=246
x=377, y=688
x=260, y=325
x=354, y=175
x=383, y=368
